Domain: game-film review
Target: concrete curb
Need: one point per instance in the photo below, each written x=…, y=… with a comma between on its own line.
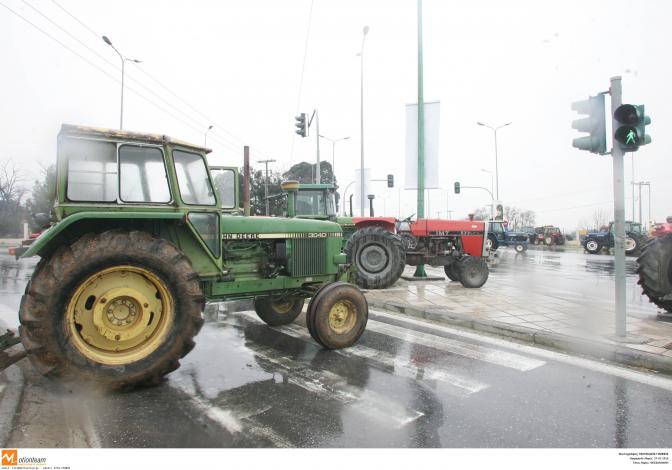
x=9, y=400
x=594, y=348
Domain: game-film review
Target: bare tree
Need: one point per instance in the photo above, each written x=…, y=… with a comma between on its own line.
x=11, y=195
x=518, y=218
x=600, y=219
x=482, y=213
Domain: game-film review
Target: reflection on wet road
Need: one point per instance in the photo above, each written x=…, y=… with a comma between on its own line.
x=405, y=384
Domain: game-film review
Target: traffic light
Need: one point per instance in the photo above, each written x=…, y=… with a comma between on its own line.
x=594, y=124
x=457, y=187
x=390, y=181
x=631, y=130
x=300, y=124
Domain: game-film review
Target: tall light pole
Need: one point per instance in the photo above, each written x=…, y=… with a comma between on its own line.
x=205, y=136
x=361, y=119
x=494, y=131
x=266, y=162
x=123, y=62
x=492, y=190
x=333, y=151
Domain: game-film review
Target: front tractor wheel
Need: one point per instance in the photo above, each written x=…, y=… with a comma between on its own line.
x=118, y=309
x=276, y=311
x=473, y=272
x=593, y=246
x=520, y=247
x=378, y=255
x=453, y=271
x=337, y=315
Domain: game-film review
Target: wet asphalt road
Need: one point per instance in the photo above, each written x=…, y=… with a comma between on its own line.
x=406, y=384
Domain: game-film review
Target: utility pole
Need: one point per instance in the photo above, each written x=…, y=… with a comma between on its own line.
x=617, y=154
x=266, y=162
x=318, y=173
x=420, y=269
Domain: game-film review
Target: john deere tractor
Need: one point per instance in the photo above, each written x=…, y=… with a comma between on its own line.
x=140, y=241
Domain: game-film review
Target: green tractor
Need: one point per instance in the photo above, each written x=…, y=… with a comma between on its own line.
x=140, y=241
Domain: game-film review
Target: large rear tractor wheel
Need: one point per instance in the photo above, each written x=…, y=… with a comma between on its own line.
x=453, y=271
x=378, y=255
x=337, y=315
x=655, y=271
x=473, y=272
x=276, y=311
x=118, y=309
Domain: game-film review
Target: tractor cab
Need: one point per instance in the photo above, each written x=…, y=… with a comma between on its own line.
x=311, y=201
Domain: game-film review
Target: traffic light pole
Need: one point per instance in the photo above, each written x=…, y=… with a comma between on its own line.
x=420, y=269
x=617, y=155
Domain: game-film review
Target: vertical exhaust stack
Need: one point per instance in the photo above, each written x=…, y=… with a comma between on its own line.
x=246, y=180
x=291, y=188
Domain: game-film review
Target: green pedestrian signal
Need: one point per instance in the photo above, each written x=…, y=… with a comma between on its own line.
x=631, y=131
x=594, y=124
x=457, y=187
x=390, y=181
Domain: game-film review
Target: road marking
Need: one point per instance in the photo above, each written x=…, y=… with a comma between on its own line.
x=460, y=386
x=330, y=386
x=473, y=351
x=457, y=385
x=589, y=364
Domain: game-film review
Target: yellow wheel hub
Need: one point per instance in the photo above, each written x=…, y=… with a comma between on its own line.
x=342, y=316
x=283, y=306
x=120, y=315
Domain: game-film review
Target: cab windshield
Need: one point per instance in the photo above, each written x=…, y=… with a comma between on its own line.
x=318, y=203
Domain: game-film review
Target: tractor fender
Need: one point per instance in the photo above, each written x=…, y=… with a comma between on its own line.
x=387, y=223
x=51, y=236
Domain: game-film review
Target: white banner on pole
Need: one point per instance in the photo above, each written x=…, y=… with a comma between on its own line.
x=357, y=190
x=432, y=115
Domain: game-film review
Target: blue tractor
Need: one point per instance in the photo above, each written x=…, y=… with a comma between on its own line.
x=635, y=239
x=499, y=235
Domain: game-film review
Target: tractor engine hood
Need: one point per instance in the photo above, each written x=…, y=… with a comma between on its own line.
x=279, y=227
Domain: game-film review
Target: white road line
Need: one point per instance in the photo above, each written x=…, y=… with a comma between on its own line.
x=461, y=386
x=473, y=351
x=457, y=385
x=589, y=364
x=331, y=386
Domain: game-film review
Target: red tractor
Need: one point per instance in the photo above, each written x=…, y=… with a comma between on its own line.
x=655, y=266
x=381, y=247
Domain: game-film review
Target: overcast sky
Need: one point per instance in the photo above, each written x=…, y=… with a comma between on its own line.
x=238, y=66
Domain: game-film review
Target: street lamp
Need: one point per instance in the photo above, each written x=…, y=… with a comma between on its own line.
x=123, y=62
x=205, y=136
x=492, y=190
x=361, y=118
x=494, y=130
x=333, y=151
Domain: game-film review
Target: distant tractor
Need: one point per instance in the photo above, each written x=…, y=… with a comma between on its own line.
x=635, y=239
x=548, y=235
x=381, y=247
x=662, y=229
x=499, y=235
x=141, y=240
x=655, y=271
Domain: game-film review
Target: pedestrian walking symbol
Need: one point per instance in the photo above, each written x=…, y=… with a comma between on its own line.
x=630, y=138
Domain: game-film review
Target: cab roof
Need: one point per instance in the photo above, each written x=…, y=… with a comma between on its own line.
x=117, y=134
x=317, y=186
